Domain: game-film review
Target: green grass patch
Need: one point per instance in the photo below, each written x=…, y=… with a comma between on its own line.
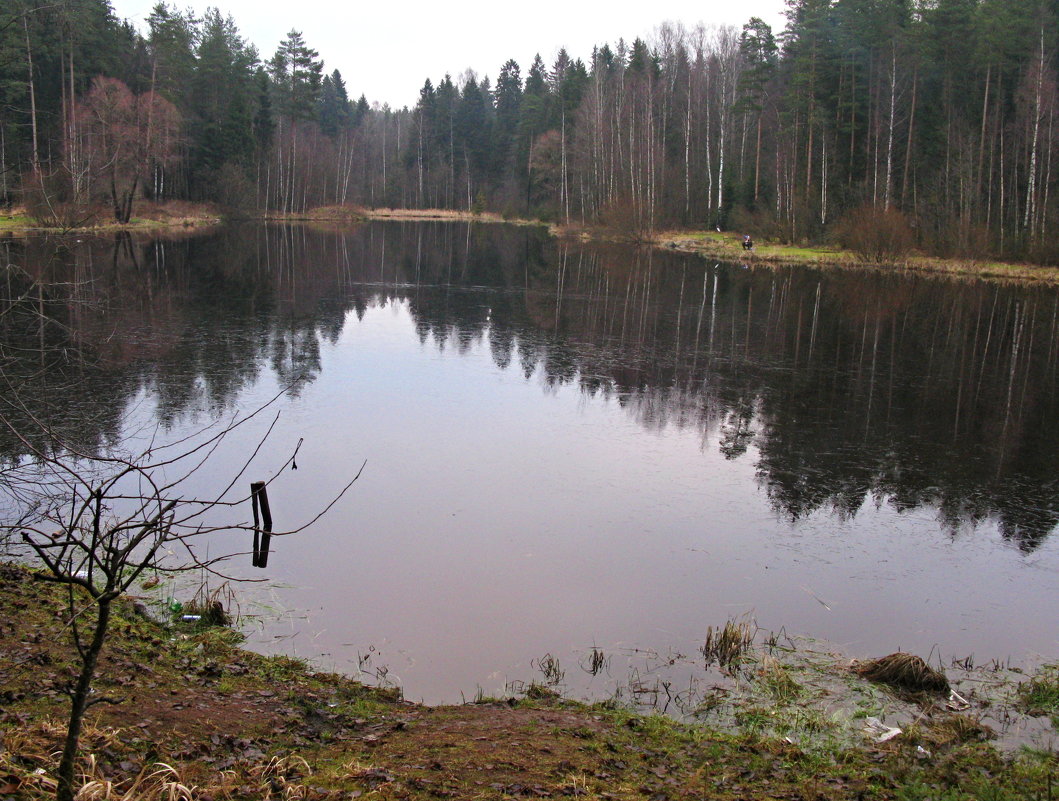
x=15, y=221
x=1040, y=695
x=777, y=683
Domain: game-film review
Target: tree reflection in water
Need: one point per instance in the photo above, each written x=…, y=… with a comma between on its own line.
x=846, y=387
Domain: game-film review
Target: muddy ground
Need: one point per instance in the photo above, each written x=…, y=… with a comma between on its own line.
x=195, y=716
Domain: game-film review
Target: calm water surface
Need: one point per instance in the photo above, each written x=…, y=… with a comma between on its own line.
x=570, y=448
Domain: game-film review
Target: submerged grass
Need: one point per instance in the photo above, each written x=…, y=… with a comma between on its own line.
x=1040, y=695
x=777, y=682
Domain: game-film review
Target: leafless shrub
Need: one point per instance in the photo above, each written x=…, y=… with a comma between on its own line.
x=97, y=522
x=233, y=190
x=53, y=201
x=622, y=220
x=761, y=224
x=877, y=236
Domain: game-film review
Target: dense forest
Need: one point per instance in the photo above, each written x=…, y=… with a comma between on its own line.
x=932, y=117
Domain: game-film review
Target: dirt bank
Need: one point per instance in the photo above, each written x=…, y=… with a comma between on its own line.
x=196, y=715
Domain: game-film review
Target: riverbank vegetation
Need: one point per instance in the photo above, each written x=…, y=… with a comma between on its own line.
x=728, y=247
x=184, y=215
x=196, y=717
x=937, y=117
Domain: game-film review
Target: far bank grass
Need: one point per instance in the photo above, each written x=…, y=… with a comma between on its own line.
x=149, y=216
x=728, y=247
x=357, y=214
x=710, y=244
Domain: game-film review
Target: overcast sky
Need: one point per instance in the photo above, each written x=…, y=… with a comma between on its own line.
x=385, y=50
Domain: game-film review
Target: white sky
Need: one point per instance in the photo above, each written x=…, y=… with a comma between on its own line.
x=385, y=50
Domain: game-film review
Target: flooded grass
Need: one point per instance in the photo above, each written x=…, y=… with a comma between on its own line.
x=1040, y=695
x=803, y=691
x=725, y=646
x=549, y=667
x=595, y=662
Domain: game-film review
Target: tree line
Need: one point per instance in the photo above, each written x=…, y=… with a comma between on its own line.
x=934, y=116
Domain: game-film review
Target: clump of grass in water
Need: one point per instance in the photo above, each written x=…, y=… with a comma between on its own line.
x=775, y=679
x=548, y=665
x=905, y=671
x=208, y=607
x=952, y=729
x=540, y=692
x=596, y=662
x=726, y=645
x=1040, y=695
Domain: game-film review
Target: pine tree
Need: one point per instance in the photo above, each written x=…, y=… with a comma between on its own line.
x=171, y=41
x=296, y=73
x=334, y=110
x=758, y=47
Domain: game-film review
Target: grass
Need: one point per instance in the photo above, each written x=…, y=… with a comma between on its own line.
x=707, y=243
x=1040, y=694
x=777, y=682
x=728, y=247
x=15, y=222
x=170, y=214
x=904, y=671
x=726, y=645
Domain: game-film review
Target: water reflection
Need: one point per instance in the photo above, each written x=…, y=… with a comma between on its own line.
x=846, y=388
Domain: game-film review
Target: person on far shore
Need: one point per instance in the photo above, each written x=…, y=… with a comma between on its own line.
x=748, y=243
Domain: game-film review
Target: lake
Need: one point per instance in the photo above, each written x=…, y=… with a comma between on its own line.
x=569, y=447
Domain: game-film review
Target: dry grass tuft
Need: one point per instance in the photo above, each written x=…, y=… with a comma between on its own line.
x=726, y=645
x=159, y=781
x=280, y=775
x=212, y=605
x=905, y=671
x=955, y=729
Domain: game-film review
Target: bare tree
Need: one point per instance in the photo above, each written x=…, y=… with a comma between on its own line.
x=125, y=134
x=97, y=522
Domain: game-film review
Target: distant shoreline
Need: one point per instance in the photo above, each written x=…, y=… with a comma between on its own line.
x=728, y=247
x=708, y=244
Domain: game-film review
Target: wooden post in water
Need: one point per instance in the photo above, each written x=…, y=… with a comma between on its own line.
x=259, y=498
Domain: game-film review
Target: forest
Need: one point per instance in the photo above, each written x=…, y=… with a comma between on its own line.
x=932, y=118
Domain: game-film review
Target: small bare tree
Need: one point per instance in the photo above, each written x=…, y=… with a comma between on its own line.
x=96, y=523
